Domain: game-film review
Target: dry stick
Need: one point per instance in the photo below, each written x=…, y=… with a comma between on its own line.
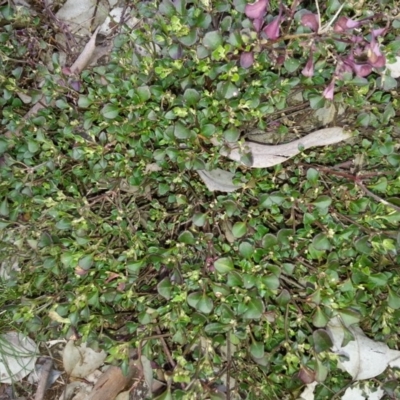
x=357, y=179
x=165, y=347
x=44, y=377
x=228, y=369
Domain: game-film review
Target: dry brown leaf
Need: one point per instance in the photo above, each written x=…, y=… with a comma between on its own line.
x=112, y=382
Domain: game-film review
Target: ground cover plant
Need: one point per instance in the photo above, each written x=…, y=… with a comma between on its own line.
x=109, y=233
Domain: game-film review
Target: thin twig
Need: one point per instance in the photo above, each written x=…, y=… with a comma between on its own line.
x=376, y=197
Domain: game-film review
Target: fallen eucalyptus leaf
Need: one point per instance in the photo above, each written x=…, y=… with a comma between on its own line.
x=394, y=68
x=218, y=179
x=18, y=354
x=116, y=16
x=365, y=393
x=81, y=15
x=366, y=358
x=86, y=54
x=265, y=156
x=308, y=392
x=81, y=361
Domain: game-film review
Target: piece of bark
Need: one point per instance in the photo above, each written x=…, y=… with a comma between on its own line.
x=44, y=377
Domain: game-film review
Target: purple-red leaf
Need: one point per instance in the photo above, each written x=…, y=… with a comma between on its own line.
x=362, y=69
x=308, y=70
x=256, y=10
x=272, y=29
x=258, y=24
x=375, y=56
x=76, y=85
x=311, y=21
x=329, y=90
x=246, y=59
x=306, y=375
x=345, y=23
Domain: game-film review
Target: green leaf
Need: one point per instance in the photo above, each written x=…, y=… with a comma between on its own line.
x=186, y=237
x=363, y=245
x=285, y=236
x=239, y=229
x=86, y=262
x=323, y=201
x=232, y=135
x=387, y=83
x=321, y=242
x=393, y=299
x=212, y=39
x=61, y=104
x=198, y=319
x=110, y=111
x=321, y=371
x=364, y=119
x=191, y=96
x=84, y=102
x=235, y=39
x=202, y=52
x=234, y=279
x=164, y=396
x=283, y=298
x=4, y=208
x=134, y=267
x=39, y=121
x=199, y=219
x=268, y=200
x=319, y=318
x=380, y=186
x=167, y=8
x=63, y=224
x=254, y=309
x=312, y=175
x=349, y=317
x=291, y=64
x=181, y=131
x=316, y=101
x=223, y=265
x=200, y=302
x=143, y=93
x=379, y=279
x=190, y=39
x=3, y=146
x=269, y=241
x=164, y=288
x=230, y=207
x=322, y=340
x=271, y=282
x=226, y=23
x=227, y=90
x=33, y=146
x=246, y=249
x=387, y=149
x=217, y=327
x=257, y=349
